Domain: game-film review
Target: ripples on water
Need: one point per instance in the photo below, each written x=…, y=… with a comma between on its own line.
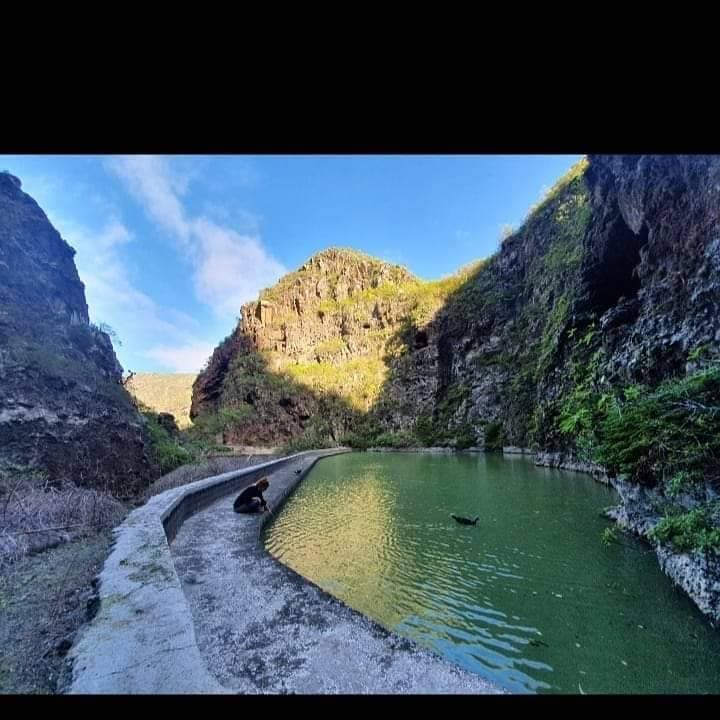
x=529, y=597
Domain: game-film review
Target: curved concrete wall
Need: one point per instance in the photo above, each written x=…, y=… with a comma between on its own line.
x=142, y=639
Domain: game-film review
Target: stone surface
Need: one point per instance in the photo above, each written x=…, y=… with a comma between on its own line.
x=696, y=573
x=142, y=638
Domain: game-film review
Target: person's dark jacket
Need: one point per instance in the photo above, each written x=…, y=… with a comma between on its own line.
x=250, y=492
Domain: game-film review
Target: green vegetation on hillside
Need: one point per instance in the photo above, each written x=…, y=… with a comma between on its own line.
x=170, y=450
x=165, y=449
x=670, y=434
x=666, y=437
x=357, y=381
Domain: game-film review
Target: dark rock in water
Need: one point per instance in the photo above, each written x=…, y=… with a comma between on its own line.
x=64, y=410
x=464, y=520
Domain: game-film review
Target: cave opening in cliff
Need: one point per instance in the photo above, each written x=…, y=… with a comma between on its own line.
x=617, y=277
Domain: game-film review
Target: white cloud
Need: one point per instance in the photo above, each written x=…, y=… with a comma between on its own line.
x=176, y=340
x=230, y=267
x=182, y=358
x=113, y=234
x=149, y=181
x=139, y=321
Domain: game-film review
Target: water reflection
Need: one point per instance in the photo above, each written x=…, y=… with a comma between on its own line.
x=529, y=597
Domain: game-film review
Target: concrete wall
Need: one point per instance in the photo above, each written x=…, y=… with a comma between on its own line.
x=142, y=638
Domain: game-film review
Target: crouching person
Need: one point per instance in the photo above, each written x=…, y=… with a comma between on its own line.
x=251, y=499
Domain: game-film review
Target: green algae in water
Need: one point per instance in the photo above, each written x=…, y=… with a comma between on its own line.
x=530, y=597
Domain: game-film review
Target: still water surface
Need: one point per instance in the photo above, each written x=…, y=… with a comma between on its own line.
x=529, y=598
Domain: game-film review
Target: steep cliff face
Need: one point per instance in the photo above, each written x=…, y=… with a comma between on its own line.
x=612, y=281
x=63, y=409
x=311, y=356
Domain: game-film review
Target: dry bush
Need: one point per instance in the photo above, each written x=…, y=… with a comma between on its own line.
x=214, y=465
x=35, y=515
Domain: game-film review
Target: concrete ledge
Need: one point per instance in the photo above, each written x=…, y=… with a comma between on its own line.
x=512, y=450
x=142, y=638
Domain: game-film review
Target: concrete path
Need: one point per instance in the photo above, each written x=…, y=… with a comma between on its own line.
x=141, y=638
x=261, y=628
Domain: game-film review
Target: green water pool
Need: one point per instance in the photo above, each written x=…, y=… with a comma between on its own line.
x=530, y=597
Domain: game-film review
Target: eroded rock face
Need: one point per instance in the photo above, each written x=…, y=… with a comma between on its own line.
x=697, y=573
x=305, y=310
x=309, y=353
x=620, y=268
x=62, y=406
x=670, y=209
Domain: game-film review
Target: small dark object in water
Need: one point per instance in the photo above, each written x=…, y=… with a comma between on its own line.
x=297, y=472
x=464, y=520
x=538, y=643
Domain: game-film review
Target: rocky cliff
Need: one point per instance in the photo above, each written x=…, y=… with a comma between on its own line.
x=169, y=393
x=613, y=280
x=63, y=409
x=311, y=357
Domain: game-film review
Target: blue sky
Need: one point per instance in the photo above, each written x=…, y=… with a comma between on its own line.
x=169, y=247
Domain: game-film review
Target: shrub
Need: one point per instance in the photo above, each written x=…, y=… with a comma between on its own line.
x=310, y=440
x=398, y=439
x=203, y=468
x=671, y=433
x=165, y=449
x=692, y=530
x=493, y=436
x=35, y=514
x=425, y=430
x=464, y=437
x=680, y=482
x=358, y=441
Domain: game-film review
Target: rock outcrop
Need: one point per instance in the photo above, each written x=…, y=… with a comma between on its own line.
x=63, y=409
x=311, y=356
x=169, y=393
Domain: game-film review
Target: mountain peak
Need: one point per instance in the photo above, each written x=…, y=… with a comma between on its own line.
x=335, y=272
